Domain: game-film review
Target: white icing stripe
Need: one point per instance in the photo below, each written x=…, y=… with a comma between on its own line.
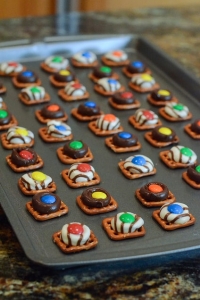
x=118, y=226
x=34, y=96
x=55, y=132
x=107, y=86
x=171, y=217
x=176, y=155
x=75, y=239
x=4, y=67
x=137, y=169
x=116, y=58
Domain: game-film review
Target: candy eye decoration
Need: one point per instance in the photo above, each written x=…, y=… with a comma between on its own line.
x=175, y=112
x=80, y=174
x=154, y=194
x=124, y=225
x=161, y=136
x=174, y=216
x=35, y=182
x=178, y=157
x=137, y=166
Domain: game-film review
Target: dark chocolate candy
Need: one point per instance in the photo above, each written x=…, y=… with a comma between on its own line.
x=195, y=126
x=23, y=157
x=52, y=111
x=95, y=197
x=136, y=67
x=123, y=98
x=193, y=173
x=103, y=71
x=163, y=134
x=154, y=191
x=27, y=77
x=64, y=76
x=75, y=149
x=88, y=108
x=124, y=139
x=46, y=203
x=161, y=95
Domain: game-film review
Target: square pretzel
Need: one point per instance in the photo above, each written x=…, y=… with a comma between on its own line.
x=158, y=144
x=165, y=225
x=106, y=223
x=138, y=126
x=170, y=199
x=76, y=185
x=117, y=149
x=100, y=132
x=129, y=175
x=91, y=243
x=63, y=210
x=51, y=188
x=46, y=120
x=172, y=119
x=134, y=105
x=69, y=160
x=69, y=98
x=96, y=210
x=7, y=145
x=43, y=132
x=39, y=163
x=171, y=163
x=34, y=102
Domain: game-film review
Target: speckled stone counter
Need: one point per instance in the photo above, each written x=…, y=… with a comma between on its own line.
x=176, y=31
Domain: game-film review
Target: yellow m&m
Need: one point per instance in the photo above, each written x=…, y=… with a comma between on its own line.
x=163, y=93
x=64, y=72
x=99, y=195
x=146, y=77
x=21, y=131
x=38, y=176
x=165, y=130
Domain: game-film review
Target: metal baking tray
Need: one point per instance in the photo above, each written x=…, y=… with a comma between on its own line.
x=36, y=237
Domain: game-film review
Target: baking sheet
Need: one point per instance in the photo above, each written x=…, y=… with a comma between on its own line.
x=36, y=237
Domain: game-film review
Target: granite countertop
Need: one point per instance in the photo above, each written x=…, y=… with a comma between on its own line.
x=176, y=31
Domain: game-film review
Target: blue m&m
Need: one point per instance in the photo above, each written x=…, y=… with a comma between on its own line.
x=124, y=135
x=60, y=127
x=86, y=54
x=139, y=160
x=48, y=199
x=175, y=208
x=112, y=81
x=27, y=73
x=137, y=64
x=90, y=104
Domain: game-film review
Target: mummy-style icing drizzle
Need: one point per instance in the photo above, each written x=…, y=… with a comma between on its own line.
x=19, y=135
x=145, y=117
x=109, y=84
x=182, y=154
x=116, y=56
x=85, y=57
x=138, y=164
x=175, y=213
x=57, y=62
x=145, y=81
x=126, y=222
x=58, y=129
x=81, y=172
x=36, y=180
x=10, y=67
x=75, y=89
x=176, y=110
x=33, y=93
x=75, y=234
x=1, y=102
x=108, y=122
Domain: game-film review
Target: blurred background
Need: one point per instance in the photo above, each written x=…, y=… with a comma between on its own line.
x=24, y=8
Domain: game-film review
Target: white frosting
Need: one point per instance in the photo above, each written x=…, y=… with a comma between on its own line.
x=175, y=113
x=143, y=120
x=1, y=102
x=71, y=90
x=176, y=155
x=75, y=239
x=57, y=65
x=144, y=81
x=7, y=69
x=104, y=124
x=16, y=138
x=109, y=84
x=116, y=58
x=79, y=57
x=34, y=95
x=79, y=176
x=118, y=226
x=31, y=184
x=137, y=169
x=55, y=132
x=170, y=217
